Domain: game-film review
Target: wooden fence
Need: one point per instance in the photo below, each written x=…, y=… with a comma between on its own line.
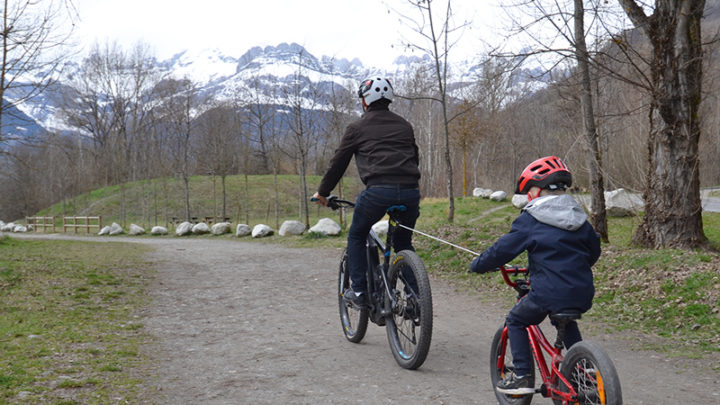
x=86, y=223
x=41, y=223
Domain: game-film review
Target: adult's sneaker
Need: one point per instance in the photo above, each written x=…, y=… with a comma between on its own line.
x=514, y=385
x=355, y=299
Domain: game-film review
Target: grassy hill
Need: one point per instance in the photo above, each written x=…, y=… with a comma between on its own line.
x=157, y=202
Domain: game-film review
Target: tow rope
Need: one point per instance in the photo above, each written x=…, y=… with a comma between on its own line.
x=439, y=240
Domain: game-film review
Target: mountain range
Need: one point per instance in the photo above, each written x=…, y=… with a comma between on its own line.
x=223, y=77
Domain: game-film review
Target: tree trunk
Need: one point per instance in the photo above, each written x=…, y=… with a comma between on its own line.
x=673, y=209
x=598, y=216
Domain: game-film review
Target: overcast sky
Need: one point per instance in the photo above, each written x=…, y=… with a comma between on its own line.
x=339, y=28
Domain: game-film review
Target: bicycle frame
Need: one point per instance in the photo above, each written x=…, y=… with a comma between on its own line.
x=552, y=379
x=379, y=308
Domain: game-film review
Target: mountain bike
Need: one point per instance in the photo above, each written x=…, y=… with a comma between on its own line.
x=584, y=375
x=398, y=292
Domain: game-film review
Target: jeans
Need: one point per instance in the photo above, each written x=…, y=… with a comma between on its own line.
x=370, y=207
x=525, y=313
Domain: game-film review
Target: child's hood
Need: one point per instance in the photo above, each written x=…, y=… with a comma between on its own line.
x=560, y=211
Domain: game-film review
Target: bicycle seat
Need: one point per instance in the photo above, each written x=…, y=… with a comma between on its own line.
x=566, y=315
x=399, y=208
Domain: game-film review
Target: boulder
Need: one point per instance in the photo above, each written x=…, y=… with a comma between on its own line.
x=261, y=231
x=105, y=230
x=482, y=192
x=115, y=229
x=381, y=227
x=291, y=228
x=326, y=226
x=184, y=228
x=498, y=196
x=243, y=230
x=200, y=228
x=621, y=203
x=8, y=227
x=519, y=201
x=136, y=230
x=158, y=230
x=220, y=228
x=20, y=229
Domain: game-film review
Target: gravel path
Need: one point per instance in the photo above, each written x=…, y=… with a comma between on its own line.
x=249, y=323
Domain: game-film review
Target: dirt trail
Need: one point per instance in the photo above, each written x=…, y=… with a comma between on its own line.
x=249, y=323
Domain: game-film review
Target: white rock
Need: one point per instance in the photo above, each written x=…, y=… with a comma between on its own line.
x=498, y=196
x=481, y=192
x=381, y=227
x=243, y=230
x=2, y=224
x=291, y=228
x=19, y=229
x=519, y=201
x=105, y=230
x=326, y=226
x=621, y=203
x=220, y=228
x=200, y=228
x=136, y=230
x=261, y=230
x=184, y=228
x=158, y=230
x=115, y=229
x=8, y=227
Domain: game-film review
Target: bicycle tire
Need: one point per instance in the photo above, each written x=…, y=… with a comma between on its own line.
x=354, y=321
x=592, y=374
x=409, y=335
x=501, y=347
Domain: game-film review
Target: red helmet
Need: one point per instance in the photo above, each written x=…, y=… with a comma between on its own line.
x=548, y=173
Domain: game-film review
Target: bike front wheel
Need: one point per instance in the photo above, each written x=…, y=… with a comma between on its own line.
x=354, y=321
x=592, y=375
x=501, y=363
x=409, y=328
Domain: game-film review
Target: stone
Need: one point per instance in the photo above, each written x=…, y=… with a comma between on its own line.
x=184, y=228
x=498, y=196
x=200, y=228
x=136, y=230
x=220, y=228
x=243, y=230
x=291, y=228
x=326, y=226
x=261, y=231
x=158, y=230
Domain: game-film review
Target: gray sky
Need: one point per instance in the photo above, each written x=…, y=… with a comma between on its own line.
x=340, y=28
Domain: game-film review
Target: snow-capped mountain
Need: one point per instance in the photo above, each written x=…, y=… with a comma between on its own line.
x=259, y=75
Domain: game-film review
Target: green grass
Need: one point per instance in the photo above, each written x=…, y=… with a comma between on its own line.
x=68, y=328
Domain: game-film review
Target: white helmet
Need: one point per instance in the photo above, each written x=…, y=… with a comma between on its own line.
x=372, y=90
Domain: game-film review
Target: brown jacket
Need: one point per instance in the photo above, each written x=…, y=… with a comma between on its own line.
x=384, y=147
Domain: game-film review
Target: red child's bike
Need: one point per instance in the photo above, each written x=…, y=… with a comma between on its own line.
x=584, y=375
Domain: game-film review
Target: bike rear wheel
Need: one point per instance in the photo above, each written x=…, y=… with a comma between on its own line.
x=354, y=321
x=592, y=374
x=501, y=363
x=409, y=329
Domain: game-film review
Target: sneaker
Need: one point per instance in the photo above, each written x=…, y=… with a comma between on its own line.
x=357, y=300
x=514, y=385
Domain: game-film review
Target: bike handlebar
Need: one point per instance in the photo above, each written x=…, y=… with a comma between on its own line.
x=513, y=270
x=335, y=203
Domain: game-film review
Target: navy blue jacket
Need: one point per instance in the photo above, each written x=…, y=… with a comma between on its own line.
x=562, y=247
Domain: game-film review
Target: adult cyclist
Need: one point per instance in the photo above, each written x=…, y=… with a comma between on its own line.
x=386, y=155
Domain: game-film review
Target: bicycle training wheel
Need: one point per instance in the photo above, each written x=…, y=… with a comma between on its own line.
x=501, y=363
x=354, y=321
x=409, y=329
x=592, y=374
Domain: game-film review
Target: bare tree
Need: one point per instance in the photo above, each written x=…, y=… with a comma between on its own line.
x=303, y=98
x=438, y=45
x=35, y=48
x=218, y=130
x=673, y=210
x=177, y=101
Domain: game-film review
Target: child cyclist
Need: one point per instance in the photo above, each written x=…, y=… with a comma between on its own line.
x=562, y=247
